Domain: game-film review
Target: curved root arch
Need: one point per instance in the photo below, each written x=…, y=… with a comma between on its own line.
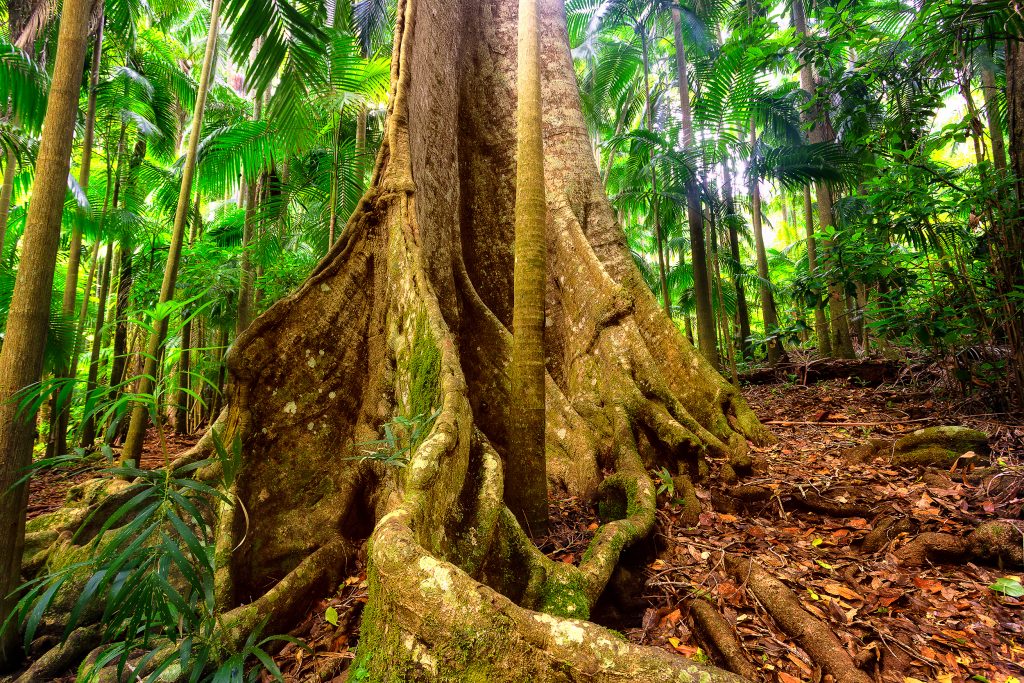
x=407, y=316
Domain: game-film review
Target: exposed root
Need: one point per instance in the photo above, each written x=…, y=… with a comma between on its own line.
x=63, y=657
x=686, y=493
x=884, y=531
x=719, y=638
x=814, y=636
x=932, y=547
x=751, y=496
x=285, y=602
x=999, y=543
x=814, y=502
x=431, y=621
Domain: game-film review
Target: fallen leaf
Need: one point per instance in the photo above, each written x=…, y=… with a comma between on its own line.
x=670, y=619
x=837, y=589
x=927, y=585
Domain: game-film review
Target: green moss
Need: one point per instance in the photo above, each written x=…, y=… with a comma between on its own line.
x=565, y=595
x=424, y=371
x=619, y=634
x=611, y=510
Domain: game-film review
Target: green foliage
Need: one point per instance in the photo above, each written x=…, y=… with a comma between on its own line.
x=23, y=87
x=148, y=569
x=402, y=436
x=1009, y=586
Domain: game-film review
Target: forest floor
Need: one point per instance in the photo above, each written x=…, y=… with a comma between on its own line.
x=936, y=623
x=903, y=624
x=49, y=487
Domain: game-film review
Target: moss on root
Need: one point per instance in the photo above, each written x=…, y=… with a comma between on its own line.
x=424, y=370
x=565, y=595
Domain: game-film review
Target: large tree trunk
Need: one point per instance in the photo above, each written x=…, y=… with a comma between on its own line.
x=21, y=358
x=410, y=310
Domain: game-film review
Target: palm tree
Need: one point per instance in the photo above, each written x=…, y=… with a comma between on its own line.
x=527, y=495
x=21, y=358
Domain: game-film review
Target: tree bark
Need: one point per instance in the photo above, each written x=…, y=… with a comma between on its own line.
x=410, y=309
x=1009, y=236
x=89, y=427
x=246, y=278
x=75, y=250
x=7, y=194
x=21, y=358
x=58, y=443
x=706, y=337
x=140, y=417
x=990, y=90
x=182, y=399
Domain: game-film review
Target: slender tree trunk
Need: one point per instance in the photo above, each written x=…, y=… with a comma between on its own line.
x=821, y=131
x=821, y=330
x=995, y=127
x=362, y=162
x=527, y=465
x=90, y=426
x=706, y=337
x=658, y=237
x=21, y=358
x=183, y=399
x=769, y=313
x=218, y=397
x=58, y=442
x=687, y=322
x=742, y=314
x=723, y=317
x=246, y=279
x=977, y=129
x=119, y=364
x=333, y=220
x=124, y=290
x=75, y=252
x=140, y=417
